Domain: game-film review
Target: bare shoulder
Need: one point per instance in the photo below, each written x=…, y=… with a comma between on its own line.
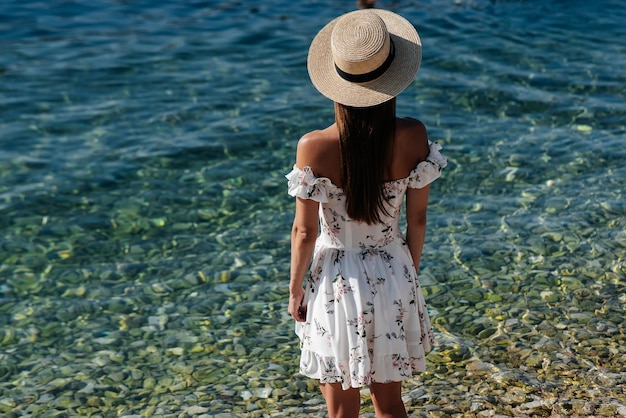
x=307, y=144
x=413, y=139
x=312, y=141
x=319, y=150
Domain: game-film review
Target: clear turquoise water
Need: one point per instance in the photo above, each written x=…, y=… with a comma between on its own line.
x=144, y=221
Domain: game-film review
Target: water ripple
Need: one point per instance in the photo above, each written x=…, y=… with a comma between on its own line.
x=143, y=147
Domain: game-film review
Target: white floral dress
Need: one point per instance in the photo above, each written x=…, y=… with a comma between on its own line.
x=366, y=314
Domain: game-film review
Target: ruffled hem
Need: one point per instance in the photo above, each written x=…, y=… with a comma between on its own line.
x=380, y=369
x=435, y=155
x=367, y=319
x=430, y=170
x=303, y=183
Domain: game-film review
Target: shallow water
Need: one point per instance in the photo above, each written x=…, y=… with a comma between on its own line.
x=144, y=220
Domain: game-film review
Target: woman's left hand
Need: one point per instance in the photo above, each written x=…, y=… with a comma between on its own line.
x=297, y=308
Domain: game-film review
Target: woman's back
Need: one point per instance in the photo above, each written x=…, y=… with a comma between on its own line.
x=320, y=150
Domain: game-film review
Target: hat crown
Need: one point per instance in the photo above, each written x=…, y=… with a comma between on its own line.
x=364, y=57
x=360, y=43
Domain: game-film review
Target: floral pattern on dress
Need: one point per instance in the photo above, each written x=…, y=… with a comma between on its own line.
x=367, y=319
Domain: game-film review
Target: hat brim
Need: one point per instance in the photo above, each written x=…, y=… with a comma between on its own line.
x=408, y=56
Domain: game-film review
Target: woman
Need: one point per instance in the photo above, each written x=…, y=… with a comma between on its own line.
x=362, y=318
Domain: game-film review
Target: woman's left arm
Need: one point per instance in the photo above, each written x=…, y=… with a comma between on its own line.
x=305, y=227
x=303, y=235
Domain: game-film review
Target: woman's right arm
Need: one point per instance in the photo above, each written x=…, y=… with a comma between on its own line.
x=416, y=199
x=416, y=206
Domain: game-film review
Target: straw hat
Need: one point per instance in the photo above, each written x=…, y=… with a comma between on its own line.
x=365, y=57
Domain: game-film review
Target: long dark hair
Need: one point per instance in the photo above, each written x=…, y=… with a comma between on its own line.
x=365, y=136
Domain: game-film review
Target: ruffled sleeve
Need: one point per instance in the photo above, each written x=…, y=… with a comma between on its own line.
x=304, y=184
x=430, y=170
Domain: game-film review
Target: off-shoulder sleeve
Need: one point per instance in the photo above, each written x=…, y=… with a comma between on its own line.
x=430, y=170
x=304, y=184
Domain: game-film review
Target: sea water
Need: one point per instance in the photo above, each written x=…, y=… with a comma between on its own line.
x=145, y=224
